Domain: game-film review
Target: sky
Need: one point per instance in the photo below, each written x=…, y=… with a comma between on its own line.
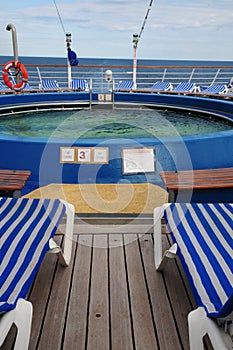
x=175, y=29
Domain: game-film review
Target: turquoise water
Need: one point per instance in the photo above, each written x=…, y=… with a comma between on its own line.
x=99, y=123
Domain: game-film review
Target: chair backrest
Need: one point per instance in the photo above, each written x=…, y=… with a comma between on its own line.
x=3, y=87
x=215, y=89
x=26, y=228
x=79, y=84
x=204, y=235
x=49, y=85
x=125, y=85
x=161, y=86
x=184, y=86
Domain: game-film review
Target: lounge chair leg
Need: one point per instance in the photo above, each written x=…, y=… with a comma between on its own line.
x=200, y=325
x=21, y=316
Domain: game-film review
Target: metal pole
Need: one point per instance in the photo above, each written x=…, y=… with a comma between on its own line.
x=68, y=44
x=15, y=48
x=14, y=41
x=135, y=44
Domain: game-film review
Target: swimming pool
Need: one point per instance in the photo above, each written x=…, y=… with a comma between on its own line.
x=42, y=155
x=108, y=123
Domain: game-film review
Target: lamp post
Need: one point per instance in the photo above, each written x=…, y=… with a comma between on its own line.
x=135, y=45
x=68, y=44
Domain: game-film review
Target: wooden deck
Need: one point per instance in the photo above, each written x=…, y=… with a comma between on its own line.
x=110, y=297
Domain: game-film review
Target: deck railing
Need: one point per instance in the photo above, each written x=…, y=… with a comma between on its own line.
x=146, y=75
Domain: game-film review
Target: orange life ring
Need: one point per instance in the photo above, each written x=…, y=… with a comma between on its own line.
x=20, y=69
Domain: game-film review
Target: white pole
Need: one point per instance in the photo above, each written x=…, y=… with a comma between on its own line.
x=68, y=43
x=135, y=44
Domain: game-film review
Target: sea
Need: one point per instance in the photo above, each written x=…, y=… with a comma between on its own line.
x=117, y=61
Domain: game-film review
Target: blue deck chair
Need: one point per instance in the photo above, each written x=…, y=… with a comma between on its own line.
x=124, y=85
x=4, y=88
x=185, y=86
x=26, y=233
x=79, y=85
x=162, y=86
x=215, y=89
x=203, y=240
x=49, y=85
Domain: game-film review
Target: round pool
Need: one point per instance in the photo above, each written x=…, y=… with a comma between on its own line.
x=179, y=132
x=108, y=123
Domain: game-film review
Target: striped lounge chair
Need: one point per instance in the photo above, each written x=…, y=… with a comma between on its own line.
x=162, y=86
x=3, y=88
x=215, y=89
x=26, y=232
x=49, y=85
x=124, y=85
x=186, y=86
x=203, y=240
x=79, y=85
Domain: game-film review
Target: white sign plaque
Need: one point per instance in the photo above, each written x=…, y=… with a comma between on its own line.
x=67, y=155
x=138, y=160
x=100, y=155
x=84, y=155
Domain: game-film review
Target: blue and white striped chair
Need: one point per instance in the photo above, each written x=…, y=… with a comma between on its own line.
x=162, y=86
x=27, y=229
x=124, y=85
x=203, y=240
x=215, y=89
x=186, y=86
x=49, y=85
x=79, y=85
x=4, y=88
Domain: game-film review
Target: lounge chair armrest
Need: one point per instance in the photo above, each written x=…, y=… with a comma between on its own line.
x=65, y=255
x=158, y=253
x=21, y=316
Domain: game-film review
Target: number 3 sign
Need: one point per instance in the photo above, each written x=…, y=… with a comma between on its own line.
x=84, y=155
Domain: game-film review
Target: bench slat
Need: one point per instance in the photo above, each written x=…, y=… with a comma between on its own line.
x=198, y=179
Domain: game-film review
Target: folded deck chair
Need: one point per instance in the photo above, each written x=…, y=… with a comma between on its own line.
x=124, y=85
x=79, y=84
x=215, y=89
x=26, y=232
x=162, y=86
x=185, y=86
x=203, y=240
x=49, y=85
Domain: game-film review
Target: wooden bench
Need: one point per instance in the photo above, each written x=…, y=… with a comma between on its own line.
x=191, y=180
x=12, y=182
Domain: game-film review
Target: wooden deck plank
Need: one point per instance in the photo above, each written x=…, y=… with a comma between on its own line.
x=40, y=296
x=121, y=331
x=55, y=315
x=160, y=303
x=144, y=332
x=98, y=323
x=179, y=300
x=76, y=325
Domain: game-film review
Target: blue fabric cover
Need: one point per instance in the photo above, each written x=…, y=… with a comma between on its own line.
x=72, y=57
x=161, y=86
x=125, y=85
x=79, y=84
x=204, y=235
x=26, y=226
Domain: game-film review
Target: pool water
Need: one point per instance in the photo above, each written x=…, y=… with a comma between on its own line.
x=101, y=123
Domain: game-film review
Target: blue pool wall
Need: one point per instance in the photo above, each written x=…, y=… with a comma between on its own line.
x=42, y=156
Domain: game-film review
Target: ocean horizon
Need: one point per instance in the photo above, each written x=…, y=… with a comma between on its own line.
x=116, y=61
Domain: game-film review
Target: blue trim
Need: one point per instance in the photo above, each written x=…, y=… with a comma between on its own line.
x=42, y=156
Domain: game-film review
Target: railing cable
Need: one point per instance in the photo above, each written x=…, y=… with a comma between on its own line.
x=59, y=16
